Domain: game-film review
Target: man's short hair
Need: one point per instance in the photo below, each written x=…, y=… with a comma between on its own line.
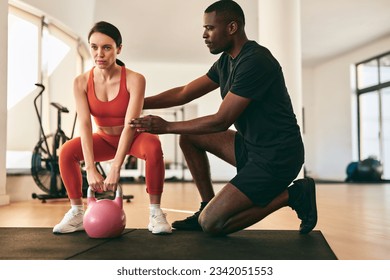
x=229, y=10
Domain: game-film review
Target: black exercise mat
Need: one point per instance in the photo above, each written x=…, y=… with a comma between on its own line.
x=243, y=245
x=42, y=244
x=140, y=244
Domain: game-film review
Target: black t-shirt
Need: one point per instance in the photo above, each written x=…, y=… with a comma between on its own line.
x=268, y=124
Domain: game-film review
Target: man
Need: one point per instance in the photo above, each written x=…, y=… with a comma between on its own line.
x=267, y=148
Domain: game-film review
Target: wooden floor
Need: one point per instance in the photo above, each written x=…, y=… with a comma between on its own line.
x=354, y=218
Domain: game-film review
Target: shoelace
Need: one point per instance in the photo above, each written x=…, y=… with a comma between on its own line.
x=69, y=215
x=160, y=218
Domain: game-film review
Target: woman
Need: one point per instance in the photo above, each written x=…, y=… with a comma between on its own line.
x=113, y=95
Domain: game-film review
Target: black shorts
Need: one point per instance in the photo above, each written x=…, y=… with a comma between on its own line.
x=260, y=178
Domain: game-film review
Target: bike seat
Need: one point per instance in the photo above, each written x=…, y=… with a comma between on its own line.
x=60, y=107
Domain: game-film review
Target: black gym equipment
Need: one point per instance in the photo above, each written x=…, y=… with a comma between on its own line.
x=44, y=162
x=367, y=170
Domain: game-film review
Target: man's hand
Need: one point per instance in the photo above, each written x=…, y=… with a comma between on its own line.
x=151, y=124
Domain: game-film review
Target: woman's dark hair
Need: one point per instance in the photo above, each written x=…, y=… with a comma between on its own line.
x=111, y=31
x=229, y=10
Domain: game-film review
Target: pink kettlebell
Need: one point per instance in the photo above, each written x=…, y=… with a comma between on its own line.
x=104, y=218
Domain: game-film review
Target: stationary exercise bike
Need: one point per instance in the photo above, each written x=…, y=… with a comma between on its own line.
x=44, y=162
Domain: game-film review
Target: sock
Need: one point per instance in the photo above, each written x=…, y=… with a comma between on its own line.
x=203, y=205
x=293, y=194
x=78, y=208
x=154, y=208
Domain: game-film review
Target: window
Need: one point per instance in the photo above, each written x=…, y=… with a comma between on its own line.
x=54, y=51
x=373, y=91
x=38, y=52
x=23, y=55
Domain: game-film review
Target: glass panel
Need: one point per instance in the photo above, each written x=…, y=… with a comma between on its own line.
x=60, y=65
x=369, y=125
x=367, y=74
x=386, y=131
x=54, y=51
x=385, y=69
x=23, y=59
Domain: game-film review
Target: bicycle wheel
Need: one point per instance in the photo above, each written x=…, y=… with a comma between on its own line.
x=44, y=168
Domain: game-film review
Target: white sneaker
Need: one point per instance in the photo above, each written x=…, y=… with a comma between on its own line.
x=158, y=223
x=72, y=221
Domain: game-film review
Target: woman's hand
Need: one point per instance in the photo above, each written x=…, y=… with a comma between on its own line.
x=95, y=180
x=112, y=179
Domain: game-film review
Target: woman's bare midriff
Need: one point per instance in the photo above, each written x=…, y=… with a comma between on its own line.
x=111, y=130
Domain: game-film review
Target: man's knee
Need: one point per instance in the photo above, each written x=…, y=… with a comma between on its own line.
x=198, y=141
x=185, y=140
x=211, y=226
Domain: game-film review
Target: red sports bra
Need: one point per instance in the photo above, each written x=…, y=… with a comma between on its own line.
x=108, y=113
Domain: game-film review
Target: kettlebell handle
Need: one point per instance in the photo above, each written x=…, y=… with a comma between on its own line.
x=118, y=193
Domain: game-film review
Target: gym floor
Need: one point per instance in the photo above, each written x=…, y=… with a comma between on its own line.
x=354, y=218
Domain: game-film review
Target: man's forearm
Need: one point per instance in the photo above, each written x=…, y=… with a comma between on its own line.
x=166, y=99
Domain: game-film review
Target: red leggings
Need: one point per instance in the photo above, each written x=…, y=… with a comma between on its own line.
x=145, y=146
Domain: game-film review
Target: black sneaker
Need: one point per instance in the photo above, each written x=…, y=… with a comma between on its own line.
x=191, y=222
x=305, y=203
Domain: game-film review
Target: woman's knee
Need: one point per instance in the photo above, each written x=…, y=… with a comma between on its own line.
x=67, y=152
x=153, y=149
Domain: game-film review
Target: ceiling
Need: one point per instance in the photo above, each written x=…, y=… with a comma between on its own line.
x=333, y=27
x=171, y=30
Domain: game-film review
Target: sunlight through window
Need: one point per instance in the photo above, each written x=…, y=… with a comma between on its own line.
x=53, y=52
x=23, y=59
x=38, y=52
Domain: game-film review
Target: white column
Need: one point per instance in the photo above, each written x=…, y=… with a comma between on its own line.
x=280, y=32
x=4, y=198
